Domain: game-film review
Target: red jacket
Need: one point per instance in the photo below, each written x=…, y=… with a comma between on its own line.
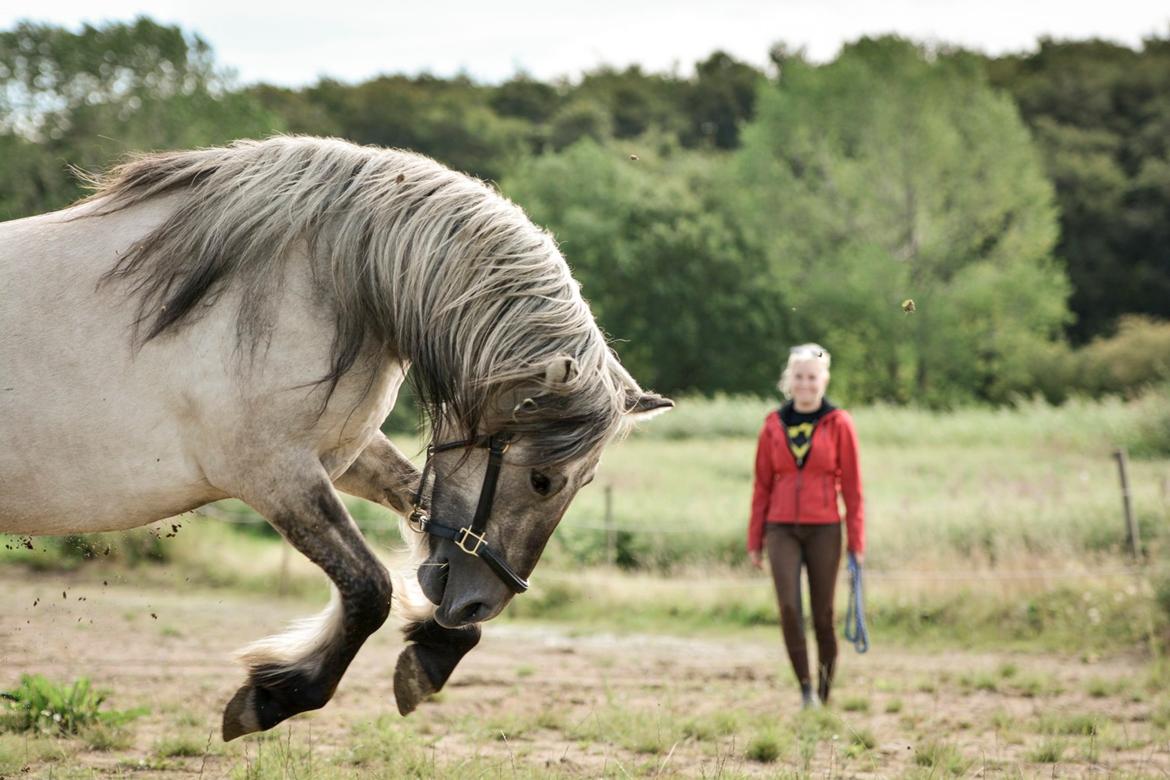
x=785, y=494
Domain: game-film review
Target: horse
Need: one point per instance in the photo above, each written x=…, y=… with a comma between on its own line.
x=237, y=322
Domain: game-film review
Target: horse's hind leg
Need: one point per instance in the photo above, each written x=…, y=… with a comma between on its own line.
x=427, y=662
x=299, y=670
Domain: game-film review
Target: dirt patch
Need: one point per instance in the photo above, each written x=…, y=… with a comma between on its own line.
x=537, y=700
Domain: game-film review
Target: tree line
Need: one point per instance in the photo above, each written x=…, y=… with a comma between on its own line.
x=953, y=227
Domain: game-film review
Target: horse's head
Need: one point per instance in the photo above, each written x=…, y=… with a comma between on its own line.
x=546, y=440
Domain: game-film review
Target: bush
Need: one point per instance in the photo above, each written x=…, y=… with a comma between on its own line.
x=1137, y=356
x=1150, y=437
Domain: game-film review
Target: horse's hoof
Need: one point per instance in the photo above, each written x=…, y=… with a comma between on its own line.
x=239, y=716
x=411, y=683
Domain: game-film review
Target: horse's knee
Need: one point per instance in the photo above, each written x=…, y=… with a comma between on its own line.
x=368, y=603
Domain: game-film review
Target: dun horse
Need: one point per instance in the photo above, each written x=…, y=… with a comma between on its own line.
x=237, y=322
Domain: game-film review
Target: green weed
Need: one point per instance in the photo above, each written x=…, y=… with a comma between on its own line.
x=40, y=705
x=1070, y=724
x=764, y=747
x=941, y=757
x=855, y=704
x=1048, y=752
x=182, y=746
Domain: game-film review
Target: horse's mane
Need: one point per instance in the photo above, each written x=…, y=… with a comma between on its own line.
x=429, y=264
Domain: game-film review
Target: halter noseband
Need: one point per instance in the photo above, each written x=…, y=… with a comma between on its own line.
x=470, y=539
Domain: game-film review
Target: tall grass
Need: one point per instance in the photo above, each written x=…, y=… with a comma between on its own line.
x=980, y=488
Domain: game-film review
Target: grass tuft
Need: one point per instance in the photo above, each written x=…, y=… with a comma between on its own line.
x=46, y=707
x=1048, y=752
x=941, y=757
x=765, y=747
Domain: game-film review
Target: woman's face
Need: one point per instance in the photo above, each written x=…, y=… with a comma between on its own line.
x=808, y=381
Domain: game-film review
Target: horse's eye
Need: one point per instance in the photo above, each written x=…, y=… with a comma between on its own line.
x=540, y=482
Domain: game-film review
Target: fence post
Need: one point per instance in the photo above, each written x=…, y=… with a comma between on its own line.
x=610, y=553
x=1131, y=530
x=282, y=581
x=1166, y=498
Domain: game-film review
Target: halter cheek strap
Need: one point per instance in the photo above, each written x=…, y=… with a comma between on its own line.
x=471, y=539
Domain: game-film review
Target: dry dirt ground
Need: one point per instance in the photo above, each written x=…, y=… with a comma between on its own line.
x=536, y=701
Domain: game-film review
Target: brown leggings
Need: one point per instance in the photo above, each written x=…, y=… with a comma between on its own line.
x=818, y=547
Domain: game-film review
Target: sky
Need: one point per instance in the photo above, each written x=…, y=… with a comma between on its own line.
x=293, y=44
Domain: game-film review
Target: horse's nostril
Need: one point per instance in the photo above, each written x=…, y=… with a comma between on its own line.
x=432, y=577
x=473, y=612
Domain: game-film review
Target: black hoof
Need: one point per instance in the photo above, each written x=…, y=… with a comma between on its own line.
x=239, y=716
x=411, y=683
x=269, y=697
x=427, y=662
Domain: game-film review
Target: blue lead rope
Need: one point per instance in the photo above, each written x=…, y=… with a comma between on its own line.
x=855, y=613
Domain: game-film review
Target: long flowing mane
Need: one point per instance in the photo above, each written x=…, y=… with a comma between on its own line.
x=419, y=261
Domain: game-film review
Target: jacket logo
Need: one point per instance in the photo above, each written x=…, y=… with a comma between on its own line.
x=800, y=439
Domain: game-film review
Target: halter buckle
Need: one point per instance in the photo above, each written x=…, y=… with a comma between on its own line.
x=461, y=541
x=418, y=519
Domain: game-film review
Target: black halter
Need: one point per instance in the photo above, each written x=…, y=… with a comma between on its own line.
x=470, y=539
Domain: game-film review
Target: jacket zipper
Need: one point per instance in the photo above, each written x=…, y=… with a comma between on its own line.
x=799, y=474
x=799, y=467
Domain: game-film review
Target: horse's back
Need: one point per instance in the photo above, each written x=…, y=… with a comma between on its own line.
x=100, y=435
x=75, y=400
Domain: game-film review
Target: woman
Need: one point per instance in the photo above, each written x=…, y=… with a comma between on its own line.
x=807, y=454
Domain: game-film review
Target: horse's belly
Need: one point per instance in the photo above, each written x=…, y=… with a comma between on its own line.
x=85, y=477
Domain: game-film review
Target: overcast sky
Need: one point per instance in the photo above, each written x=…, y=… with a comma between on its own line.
x=351, y=40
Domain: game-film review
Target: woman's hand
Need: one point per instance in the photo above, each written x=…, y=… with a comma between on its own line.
x=859, y=557
x=757, y=558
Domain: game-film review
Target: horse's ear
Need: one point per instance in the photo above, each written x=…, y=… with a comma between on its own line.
x=560, y=371
x=642, y=406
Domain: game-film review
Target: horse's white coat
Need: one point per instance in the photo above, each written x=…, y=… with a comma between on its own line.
x=86, y=420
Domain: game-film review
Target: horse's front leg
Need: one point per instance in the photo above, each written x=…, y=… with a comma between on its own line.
x=299, y=670
x=384, y=475
x=381, y=474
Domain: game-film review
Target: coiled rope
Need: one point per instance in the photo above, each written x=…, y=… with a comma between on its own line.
x=855, y=631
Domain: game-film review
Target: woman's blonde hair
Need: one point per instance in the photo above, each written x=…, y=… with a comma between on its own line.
x=800, y=354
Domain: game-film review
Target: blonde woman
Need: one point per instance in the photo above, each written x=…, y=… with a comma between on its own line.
x=807, y=456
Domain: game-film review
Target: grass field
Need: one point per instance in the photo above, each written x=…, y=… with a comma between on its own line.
x=537, y=701
x=983, y=526
x=1013, y=633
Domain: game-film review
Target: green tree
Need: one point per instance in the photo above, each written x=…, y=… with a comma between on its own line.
x=892, y=174
x=525, y=98
x=87, y=98
x=450, y=120
x=1101, y=114
x=637, y=102
x=668, y=273
x=721, y=98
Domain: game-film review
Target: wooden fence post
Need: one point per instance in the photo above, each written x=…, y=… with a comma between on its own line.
x=1166, y=498
x=1131, y=530
x=282, y=580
